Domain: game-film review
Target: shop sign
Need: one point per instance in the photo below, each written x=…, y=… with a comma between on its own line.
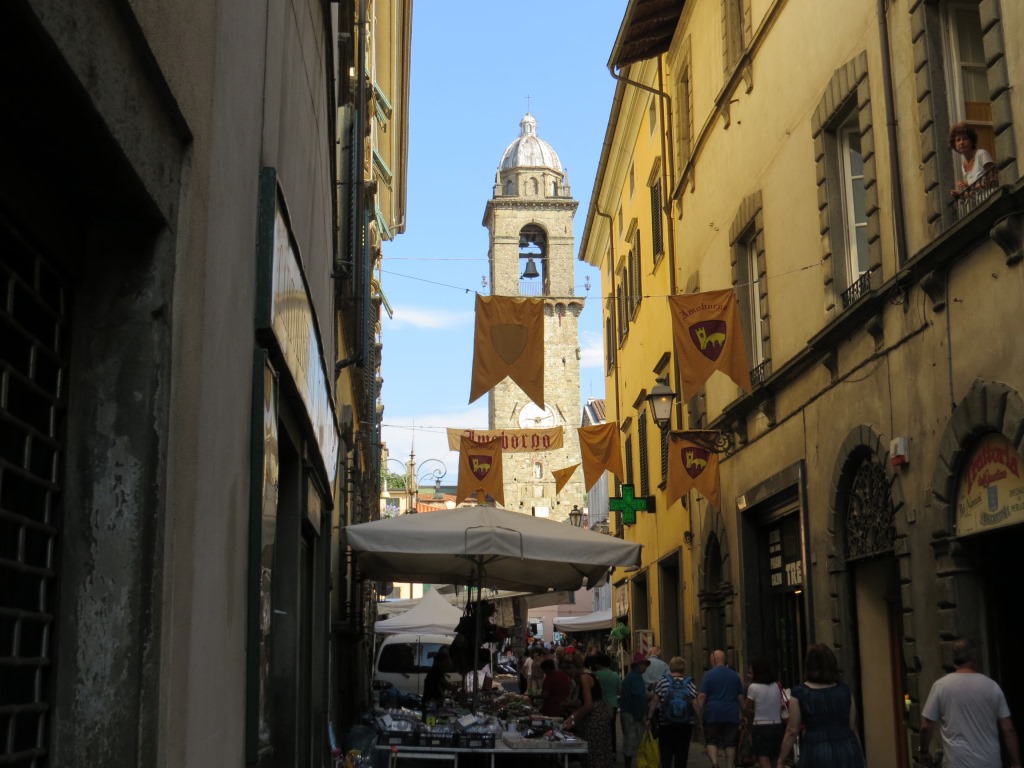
x=621, y=599
x=294, y=324
x=991, y=492
x=785, y=566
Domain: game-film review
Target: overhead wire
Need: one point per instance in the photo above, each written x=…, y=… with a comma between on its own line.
x=603, y=296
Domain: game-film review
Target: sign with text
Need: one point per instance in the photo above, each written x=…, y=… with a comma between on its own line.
x=512, y=440
x=785, y=564
x=991, y=492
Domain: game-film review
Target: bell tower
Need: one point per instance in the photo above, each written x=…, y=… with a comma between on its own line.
x=530, y=221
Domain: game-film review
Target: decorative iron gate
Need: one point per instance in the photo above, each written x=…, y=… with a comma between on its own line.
x=33, y=378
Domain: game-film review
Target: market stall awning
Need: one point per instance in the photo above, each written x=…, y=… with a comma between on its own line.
x=487, y=547
x=587, y=623
x=432, y=615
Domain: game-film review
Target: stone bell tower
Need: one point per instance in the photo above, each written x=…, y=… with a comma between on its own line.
x=529, y=217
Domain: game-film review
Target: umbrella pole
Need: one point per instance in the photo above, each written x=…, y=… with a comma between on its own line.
x=479, y=627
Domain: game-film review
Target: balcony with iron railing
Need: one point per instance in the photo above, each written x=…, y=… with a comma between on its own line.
x=531, y=287
x=759, y=373
x=973, y=195
x=860, y=288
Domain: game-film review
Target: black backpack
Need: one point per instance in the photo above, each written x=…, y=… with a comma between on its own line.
x=676, y=704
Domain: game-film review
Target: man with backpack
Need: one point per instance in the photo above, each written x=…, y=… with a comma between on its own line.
x=673, y=701
x=719, y=703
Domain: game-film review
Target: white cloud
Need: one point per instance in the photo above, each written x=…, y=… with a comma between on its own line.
x=429, y=318
x=591, y=352
x=426, y=433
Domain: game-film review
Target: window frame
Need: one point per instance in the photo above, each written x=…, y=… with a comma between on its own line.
x=851, y=186
x=955, y=67
x=645, y=475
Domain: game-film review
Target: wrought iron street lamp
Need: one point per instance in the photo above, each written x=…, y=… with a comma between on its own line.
x=576, y=516
x=661, y=398
x=436, y=473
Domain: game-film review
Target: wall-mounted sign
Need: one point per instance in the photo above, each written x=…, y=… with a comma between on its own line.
x=785, y=565
x=284, y=307
x=991, y=492
x=629, y=504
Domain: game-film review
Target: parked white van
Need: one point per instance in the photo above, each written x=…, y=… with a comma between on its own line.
x=403, y=660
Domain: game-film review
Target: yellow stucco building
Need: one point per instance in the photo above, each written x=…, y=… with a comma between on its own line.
x=798, y=152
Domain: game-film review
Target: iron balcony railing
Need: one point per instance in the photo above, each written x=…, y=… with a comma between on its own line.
x=760, y=373
x=860, y=287
x=972, y=196
x=532, y=287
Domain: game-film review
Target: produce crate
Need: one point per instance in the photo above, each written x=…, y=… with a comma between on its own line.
x=476, y=740
x=399, y=738
x=515, y=741
x=437, y=740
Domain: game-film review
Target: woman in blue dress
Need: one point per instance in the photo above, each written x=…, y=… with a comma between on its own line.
x=822, y=715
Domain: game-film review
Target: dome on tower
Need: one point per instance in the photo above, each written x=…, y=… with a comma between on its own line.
x=529, y=150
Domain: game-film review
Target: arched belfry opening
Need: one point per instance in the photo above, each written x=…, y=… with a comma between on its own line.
x=533, y=261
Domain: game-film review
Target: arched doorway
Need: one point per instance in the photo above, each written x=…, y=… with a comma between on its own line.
x=866, y=591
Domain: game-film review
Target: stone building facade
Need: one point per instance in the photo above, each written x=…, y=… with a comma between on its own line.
x=530, y=223
x=871, y=480
x=187, y=371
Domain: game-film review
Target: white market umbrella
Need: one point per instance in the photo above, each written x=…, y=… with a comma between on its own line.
x=486, y=547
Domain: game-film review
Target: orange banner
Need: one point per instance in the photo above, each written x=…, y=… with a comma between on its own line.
x=708, y=337
x=600, y=451
x=508, y=341
x=690, y=466
x=480, y=470
x=512, y=440
x=562, y=476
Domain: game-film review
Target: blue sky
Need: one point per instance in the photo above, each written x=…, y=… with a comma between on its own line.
x=473, y=66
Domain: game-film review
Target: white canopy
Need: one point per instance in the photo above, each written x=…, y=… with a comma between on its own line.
x=586, y=623
x=433, y=615
x=488, y=547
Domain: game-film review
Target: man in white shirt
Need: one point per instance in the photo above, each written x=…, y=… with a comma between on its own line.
x=971, y=711
x=657, y=668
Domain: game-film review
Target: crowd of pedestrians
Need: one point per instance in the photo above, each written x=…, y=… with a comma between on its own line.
x=817, y=716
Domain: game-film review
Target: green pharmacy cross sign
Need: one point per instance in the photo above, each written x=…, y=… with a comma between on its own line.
x=629, y=504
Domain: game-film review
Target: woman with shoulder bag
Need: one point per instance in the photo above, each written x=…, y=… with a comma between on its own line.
x=822, y=715
x=765, y=697
x=592, y=719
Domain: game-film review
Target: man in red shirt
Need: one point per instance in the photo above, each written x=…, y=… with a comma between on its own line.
x=555, y=689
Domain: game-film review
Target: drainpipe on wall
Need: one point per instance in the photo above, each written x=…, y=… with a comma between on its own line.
x=615, y=299
x=668, y=182
x=361, y=241
x=899, y=225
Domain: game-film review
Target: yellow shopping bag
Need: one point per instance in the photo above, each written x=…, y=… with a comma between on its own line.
x=648, y=755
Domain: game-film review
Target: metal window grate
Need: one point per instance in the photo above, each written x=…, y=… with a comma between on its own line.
x=860, y=288
x=33, y=350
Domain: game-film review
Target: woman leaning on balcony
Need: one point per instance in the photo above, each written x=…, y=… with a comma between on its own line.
x=975, y=162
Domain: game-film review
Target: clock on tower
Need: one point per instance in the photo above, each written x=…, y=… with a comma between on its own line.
x=534, y=417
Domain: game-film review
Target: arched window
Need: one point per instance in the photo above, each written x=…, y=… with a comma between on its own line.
x=870, y=521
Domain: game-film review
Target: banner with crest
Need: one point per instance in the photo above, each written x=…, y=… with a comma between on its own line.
x=480, y=470
x=508, y=341
x=691, y=466
x=708, y=337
